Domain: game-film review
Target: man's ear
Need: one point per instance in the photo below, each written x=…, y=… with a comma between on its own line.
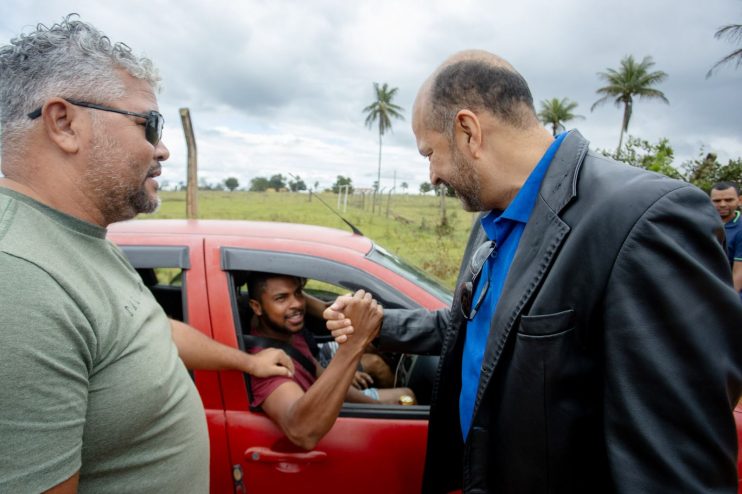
x=63, y=123
x=256, y=308
x=467, y=132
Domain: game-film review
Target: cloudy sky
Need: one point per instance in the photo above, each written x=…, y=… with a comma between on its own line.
x=278, y=86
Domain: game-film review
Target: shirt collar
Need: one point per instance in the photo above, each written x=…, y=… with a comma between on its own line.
x=524, y=201
x=733, y=220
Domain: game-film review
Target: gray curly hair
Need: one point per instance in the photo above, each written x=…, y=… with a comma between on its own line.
x=71, y=59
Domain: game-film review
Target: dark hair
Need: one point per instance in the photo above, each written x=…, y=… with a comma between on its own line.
x=478, y=85
x=257, y=281
x=725, y=186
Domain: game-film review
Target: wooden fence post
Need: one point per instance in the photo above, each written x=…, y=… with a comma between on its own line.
x=192, y=184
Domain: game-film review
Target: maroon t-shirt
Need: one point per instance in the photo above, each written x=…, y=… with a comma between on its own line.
x=262, y=387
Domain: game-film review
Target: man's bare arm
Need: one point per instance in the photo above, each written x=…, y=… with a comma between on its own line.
x=306, y=417
x=198, y=351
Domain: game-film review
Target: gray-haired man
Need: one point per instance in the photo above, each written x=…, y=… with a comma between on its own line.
x=95, y=397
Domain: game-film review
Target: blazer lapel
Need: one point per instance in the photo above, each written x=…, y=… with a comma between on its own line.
x=543, y=236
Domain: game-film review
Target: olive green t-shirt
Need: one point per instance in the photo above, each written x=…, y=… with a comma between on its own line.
x=90, y=379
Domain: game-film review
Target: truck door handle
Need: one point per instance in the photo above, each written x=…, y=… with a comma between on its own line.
x=267, y=455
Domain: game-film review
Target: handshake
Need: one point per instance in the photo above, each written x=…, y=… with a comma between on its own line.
x=355, y=318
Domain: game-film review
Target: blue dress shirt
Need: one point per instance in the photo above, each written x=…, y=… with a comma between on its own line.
x=505, y=228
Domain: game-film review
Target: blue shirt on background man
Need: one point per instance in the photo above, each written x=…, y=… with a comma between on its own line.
x=505, y=228
x=733, y=232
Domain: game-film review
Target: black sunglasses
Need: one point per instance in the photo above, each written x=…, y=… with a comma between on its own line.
x=465, y=290
x=152, y=128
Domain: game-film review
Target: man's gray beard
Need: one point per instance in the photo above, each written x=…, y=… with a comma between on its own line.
x=465, y=182
x=142, y=203
x=117, y=199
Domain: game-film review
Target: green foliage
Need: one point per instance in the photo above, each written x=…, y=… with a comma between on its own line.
x=404, y=186
x=556, y=112
x=653, y=157
x=733, y=33
x=382, y=110
x=259, y=184
x=231, y=183
x=731, y=172
x=296, y=184
x=630, y=80
x=341, y=181
x=277, y=182
x=703, y=172
x=425, y=187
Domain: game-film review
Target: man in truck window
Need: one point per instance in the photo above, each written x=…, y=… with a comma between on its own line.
x=306, y=404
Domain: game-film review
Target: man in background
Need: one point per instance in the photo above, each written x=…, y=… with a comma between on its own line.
x=725, y=196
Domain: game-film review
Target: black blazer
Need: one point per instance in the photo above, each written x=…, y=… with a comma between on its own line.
x=613, y=359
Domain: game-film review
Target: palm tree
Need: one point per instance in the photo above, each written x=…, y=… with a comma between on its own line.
x=632, y=79
x=732, y=32
x=382, y=110
x=555, y=112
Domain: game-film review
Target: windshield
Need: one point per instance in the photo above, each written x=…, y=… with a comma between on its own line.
x=410, y=272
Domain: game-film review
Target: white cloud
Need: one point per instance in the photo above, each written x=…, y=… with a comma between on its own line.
x=278, y=87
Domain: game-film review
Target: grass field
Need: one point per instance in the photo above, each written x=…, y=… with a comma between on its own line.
x=411, y=229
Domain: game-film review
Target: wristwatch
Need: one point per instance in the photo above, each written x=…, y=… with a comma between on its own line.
x=406, y=400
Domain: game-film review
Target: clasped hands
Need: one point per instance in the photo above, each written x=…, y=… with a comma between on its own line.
x=354, y=317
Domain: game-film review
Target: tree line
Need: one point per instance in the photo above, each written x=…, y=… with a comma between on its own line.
x=280, y=183
x=277, y=182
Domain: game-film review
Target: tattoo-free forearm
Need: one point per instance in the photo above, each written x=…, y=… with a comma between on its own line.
x=310, y=417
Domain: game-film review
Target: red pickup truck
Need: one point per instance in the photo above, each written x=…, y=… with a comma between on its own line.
x=196, y=271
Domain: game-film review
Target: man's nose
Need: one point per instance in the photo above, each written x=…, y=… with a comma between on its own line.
x=434, y=178
x=162, y=153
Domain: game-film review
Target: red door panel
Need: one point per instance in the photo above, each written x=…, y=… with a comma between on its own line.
x=357, y=455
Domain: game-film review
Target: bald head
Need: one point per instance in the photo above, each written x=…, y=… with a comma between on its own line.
x=481, y=56
x=479, y=81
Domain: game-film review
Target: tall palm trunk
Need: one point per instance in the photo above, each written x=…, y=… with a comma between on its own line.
x=378, y=177
x=624, y=124
x=378, y=172
x=620, y=141
x=383, y=110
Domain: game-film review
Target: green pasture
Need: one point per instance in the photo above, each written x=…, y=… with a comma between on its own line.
x=408, y=225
